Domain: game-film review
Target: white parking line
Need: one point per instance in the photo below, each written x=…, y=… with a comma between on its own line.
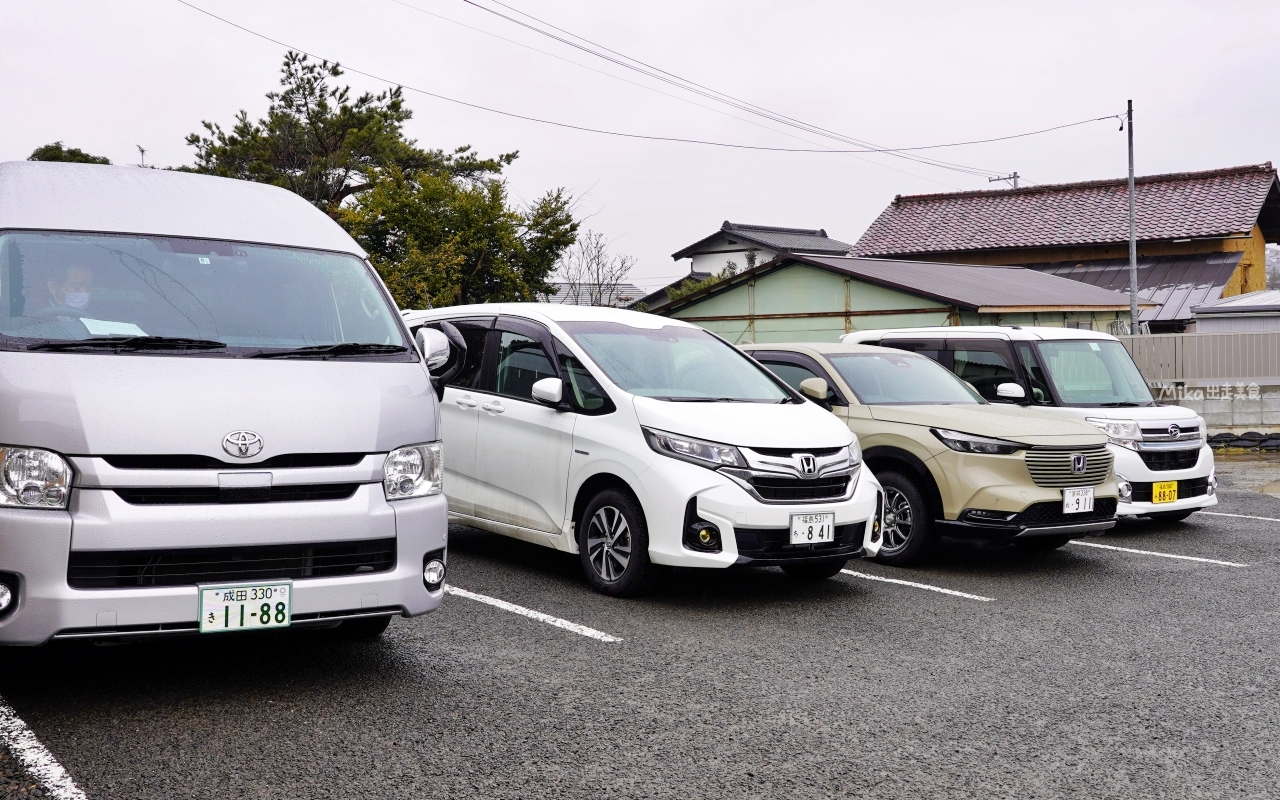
x=582, y=630
x=1162, y=555
x=1238, y=516
x=915, y=585
x=18, y=739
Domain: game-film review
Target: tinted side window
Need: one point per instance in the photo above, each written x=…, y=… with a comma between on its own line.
x=521, y=363
x=1039, y=387
x=586, y=394
x=985, y=370
x=935, y=349
x=792, y=374
x=474, y=334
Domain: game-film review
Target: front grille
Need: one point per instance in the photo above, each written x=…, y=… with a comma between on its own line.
x=1050, y=513
x=773, y=543
x=1191, y=487
x=788, y=452
x=209, y=495
x=1052, y=467
x=783, y=489
x=1162, y=460
x=1185, y=432
x=116, y=569
x=286, y=461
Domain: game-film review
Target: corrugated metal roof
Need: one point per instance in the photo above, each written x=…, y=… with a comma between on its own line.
x=113, y=199
x=779, y=240
x=1265, y=300
x=1223, y=202
x=1177, y=283
x=966, y=286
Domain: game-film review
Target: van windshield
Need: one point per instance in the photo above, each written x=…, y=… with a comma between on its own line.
x=1094, y=373
x=82, y=292
x=674, y=363
x=888, y=379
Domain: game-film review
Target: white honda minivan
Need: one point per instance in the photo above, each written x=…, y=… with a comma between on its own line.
x=212, y=418
x=642, y=442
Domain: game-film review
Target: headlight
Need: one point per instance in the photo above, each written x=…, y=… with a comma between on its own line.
x=413, y=471
x=1124, y=432
x=1204, y=429
x=969, y=443
x=697, y=451
x=34, y=478
x=855, y=451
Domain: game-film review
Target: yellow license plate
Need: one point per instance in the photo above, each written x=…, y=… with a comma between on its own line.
x=1164, y=491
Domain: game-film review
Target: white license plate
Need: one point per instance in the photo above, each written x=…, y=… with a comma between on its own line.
x=813, y=528
x=1076, y=501
x=245, y=607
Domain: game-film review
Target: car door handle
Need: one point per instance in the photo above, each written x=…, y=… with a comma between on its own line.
x=493, y=408
x=466, y=402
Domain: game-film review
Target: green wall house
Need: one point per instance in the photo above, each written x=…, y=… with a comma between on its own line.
x=802, y=298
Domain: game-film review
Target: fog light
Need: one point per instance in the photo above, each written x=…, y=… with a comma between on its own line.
x=1213, y=482
x=6, y=597
x=1125, y=489
x=433, y=574
x=875, y=530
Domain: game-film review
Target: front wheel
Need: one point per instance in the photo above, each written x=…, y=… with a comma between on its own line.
x=613, y=544
x=818, y=571
x=1171, y=516
x=906, y=522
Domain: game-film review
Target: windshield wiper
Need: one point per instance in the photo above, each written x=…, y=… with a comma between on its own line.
x=1121, y=404
x=340, y=349
x=119, y=343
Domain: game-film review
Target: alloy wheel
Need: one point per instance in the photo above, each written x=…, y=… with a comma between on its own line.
x=897, y=520
x=609, y=543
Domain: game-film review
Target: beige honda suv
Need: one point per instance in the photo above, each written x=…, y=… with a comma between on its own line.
x=951, y=464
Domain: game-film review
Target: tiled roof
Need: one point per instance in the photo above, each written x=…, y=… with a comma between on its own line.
x=620, y=296
x=1177, y=283
x=1221, y=202
x=779, y=240
x=963, y=285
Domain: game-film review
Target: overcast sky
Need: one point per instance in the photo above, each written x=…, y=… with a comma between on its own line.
x=108, y=76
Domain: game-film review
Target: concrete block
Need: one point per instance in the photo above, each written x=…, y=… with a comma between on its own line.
x=1246, y=418
x=1271, y=402
x=1217, y=406
x=1270, y=417
x=1217, y=419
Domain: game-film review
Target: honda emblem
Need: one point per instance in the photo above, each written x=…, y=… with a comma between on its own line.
x=808, y=464
x=1079, y=462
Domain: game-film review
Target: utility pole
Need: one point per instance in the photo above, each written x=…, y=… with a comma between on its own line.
x=1133, y=238
x=142, y=154
x=1012, y=178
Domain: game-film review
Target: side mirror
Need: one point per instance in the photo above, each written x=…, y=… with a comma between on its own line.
x=1013, y=391
x=549, y=391
x=434, y=346
x=815, y=388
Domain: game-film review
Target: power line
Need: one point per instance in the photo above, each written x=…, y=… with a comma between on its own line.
x=586, y=129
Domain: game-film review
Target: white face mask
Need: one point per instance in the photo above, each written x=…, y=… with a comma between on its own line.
x=76, y=299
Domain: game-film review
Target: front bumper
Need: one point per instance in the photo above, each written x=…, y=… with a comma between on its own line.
x=749, y=529
x=1040, y=519
x=35, y=546
x=1194, y=484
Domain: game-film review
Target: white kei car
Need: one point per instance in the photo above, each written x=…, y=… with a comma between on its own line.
x=642, y=443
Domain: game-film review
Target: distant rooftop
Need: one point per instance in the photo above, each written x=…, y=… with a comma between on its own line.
x=620, y=296
x=1183, y=205
x=1265, y=300
x=779, y=240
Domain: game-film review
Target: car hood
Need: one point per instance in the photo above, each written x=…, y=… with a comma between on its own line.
x=1016, y=423
x=99, y=404
x=747, y=424
x=1141, y=413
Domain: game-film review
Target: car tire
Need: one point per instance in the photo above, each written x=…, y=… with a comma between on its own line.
x=363, y=628
x=1042, y=543
x=816, y=571
x=613, y=545
x=907, y=522
x=1171, y=516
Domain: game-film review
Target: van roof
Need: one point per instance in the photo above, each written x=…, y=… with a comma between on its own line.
x=550, y=312
x=1025, y=333
x=55, y=196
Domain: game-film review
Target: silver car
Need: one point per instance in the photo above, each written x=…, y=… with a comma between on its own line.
x=212, y=419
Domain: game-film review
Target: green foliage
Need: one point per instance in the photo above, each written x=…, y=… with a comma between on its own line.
x=688, y=286
x=435, y=237
x=319, y=143
x=56, y=152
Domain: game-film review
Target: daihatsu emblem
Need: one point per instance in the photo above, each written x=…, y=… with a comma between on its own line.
x=1174, y=431
x=242, y=444
x=808, y=464
x=1079, y=462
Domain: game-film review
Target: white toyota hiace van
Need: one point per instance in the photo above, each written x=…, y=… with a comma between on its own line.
x=212, y=418
x=1163, y=463
x=641, y=442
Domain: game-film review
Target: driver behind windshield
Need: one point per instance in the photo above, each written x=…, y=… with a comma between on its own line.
x=69, y=287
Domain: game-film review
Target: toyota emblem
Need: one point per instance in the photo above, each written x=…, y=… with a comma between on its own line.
x=1174, y=431
x=1079, y=463
x=242, y=444
x=808, y=464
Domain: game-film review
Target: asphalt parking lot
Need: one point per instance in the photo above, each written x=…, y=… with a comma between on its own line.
x=1085, y=672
